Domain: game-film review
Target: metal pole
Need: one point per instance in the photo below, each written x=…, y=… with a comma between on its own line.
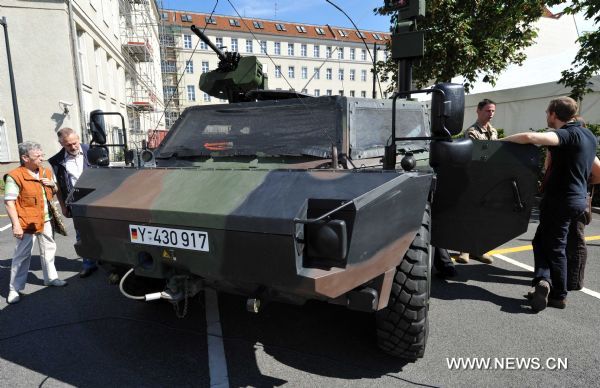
x=11, y=76
x=374, y=70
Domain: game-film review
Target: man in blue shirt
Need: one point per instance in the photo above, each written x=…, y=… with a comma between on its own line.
x=573, y=151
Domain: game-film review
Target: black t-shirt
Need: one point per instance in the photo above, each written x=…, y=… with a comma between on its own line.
x=571, y=164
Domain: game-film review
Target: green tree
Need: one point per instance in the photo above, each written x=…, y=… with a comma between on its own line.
x=470, y=38
x=587, y=61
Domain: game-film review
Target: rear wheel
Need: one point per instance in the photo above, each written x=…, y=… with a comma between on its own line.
x=403, y=326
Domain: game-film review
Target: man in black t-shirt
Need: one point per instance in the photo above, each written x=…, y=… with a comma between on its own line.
x=573, y=150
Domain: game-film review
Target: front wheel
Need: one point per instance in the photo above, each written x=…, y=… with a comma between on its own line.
x=403, y=326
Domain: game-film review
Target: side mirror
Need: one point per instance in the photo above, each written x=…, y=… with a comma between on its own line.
x=447, y=109
x=98, y=156
x=97, y=127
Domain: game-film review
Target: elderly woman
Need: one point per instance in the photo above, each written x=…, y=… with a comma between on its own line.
x=27, y=192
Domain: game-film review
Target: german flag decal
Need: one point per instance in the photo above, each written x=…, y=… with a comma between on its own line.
x=134, y=235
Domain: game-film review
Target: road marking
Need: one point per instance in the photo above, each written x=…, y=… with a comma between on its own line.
x=2, y=229
x=524, y=248
x=3, y=215
x=530, y=268
x=217, y=364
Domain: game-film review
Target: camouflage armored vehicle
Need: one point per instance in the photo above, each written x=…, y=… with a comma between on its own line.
x=297, y=199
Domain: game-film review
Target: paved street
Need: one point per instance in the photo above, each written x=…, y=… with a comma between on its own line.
x=88, y=334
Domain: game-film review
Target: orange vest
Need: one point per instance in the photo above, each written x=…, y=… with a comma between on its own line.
x=30, y=202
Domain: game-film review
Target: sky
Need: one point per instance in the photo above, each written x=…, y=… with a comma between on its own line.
x=308, y=11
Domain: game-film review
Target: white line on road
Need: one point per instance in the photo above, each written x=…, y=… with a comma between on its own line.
x=2, y=229
x=529, y=268
x=217, y=363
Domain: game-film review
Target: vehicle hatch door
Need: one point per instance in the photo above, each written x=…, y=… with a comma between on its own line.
x=484, y=193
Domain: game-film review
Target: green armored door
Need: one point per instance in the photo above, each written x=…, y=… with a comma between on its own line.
x=484, y=193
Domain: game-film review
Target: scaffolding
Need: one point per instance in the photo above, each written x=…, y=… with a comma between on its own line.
x=171, y=68
x=139, y=29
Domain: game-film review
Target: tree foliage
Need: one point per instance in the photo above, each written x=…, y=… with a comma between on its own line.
x=587, y=61
x=473, y=38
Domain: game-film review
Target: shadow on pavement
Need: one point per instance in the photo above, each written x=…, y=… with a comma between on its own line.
x=318, y=338
x=457, y=288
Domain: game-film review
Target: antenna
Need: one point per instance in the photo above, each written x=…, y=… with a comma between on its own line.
x=275, y=10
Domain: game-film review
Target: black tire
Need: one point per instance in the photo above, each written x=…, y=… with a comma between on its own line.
x=403, y=326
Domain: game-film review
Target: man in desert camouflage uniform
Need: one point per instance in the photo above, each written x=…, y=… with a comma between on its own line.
x=482, y=129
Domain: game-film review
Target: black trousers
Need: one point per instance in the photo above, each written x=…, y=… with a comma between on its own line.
x=576, y=254
x=550, y=244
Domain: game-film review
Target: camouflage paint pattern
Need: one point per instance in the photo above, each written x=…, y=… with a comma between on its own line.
x=248, y=215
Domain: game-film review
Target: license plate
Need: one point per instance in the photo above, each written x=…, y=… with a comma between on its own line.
x=167, y=237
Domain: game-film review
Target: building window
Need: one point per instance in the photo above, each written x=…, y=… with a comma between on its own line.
x=100, y=59
x=170, y=91
x=170, y=118
x=328, y=74
x=317, y=73
x=363, y=55
x=168, y=67
x=328, y=51
x=219, y=42
x=304, y=71
x=341, y=74
x=342, y=33
x=210, y=20
x=234, y=22
x=234, y=44
x=191, y=93
x=340, y=53
x=187, y=41
x=377, y=36
x=186, y=18
x=363, y=75
x=277, y=71
x=290, y=49
x=280, y=27
x=352, y=75
x=164, y=16
x=305, y=91
x=303, y=49
x=352, y=54
x=248, y=45
x=363, y=94
x=189, y=67
x=277, y=48
x=258, y=24
x=352, y=93
x=263, y=46
x=291, y=72
x=203, y=46
x=82, y=55
x=206, y=97
x=204, y=66
x=301, y=29
x=328, y=92
x=319, y=31
x=340, y=92
x=317, y=51
x=317, y=92
x=360, y=34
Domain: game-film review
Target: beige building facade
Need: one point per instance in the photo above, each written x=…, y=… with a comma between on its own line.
x=70, y=58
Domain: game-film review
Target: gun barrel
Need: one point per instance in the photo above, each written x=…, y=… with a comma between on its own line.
x=210, y=44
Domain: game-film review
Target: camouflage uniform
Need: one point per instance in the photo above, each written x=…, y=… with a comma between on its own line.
x=479, y=132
